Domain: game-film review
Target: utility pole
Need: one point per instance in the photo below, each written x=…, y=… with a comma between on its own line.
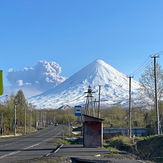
x=89, y=102
x=95, y=101
x=99, y=101
x=156, y=98
x=36, y=119
x=24, y=120
x=1, y=122
x=15, y=120
x=93, y=111
x=30, y=120
x=44, y=117
x=130, y=106
x=41, y=119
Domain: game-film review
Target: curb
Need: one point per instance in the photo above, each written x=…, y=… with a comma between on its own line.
x=54, y=151
x=80, y=160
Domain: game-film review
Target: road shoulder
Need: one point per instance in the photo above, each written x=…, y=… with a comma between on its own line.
x=78, y=153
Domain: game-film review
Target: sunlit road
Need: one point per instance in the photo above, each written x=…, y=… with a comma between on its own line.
x=29, y=146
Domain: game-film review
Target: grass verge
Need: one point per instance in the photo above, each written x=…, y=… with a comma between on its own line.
x=147, y=148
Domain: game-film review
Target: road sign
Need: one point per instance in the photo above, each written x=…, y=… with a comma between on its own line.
x=78, y=111
x=1, y=82
x=63, y=128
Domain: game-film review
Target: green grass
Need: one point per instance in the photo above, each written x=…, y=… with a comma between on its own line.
x=112, y=149
x=60, y=141
x=150, y=148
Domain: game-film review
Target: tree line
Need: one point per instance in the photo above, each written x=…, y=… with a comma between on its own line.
x=39, y=117
x=115, y=117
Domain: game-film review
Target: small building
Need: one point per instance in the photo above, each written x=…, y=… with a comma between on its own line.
x=92, y=131
x=111, y=132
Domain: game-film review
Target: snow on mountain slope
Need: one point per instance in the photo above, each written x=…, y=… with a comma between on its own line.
x=114, y=88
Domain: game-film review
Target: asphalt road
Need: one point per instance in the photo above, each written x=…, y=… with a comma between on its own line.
x=29, y=146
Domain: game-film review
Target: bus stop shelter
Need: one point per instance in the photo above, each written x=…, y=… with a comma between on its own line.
x=92, y=131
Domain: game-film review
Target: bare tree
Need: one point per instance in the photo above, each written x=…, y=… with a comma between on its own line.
x=148, y=82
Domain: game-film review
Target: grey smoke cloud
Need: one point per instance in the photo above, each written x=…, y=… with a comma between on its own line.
x=44, y=75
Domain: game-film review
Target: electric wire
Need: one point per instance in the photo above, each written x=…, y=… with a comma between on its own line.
x=145, y=64
x=158, y=53
x=141, y=68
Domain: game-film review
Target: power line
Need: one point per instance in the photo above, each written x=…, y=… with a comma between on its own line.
x=141, y=68
x=157, y=54
x=145, y=64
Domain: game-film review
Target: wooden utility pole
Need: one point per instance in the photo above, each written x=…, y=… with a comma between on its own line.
x=36, y=119
x=130, y=106
x=1, y=122
x=30, y=120
x=156, y=98
x=99, y=101
x=15, y=125
x=41, y=119
x=24, y=120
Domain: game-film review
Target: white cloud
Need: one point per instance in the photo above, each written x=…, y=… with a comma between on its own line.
x=28, y=68
x=10, y=70
x=20, y=82
x=43, y=76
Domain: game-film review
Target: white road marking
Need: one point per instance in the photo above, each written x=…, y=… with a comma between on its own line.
x=13, y=153
x=10, y=154
x=54, y=151
x=58, y=149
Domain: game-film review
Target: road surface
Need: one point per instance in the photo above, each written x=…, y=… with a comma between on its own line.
x=29, y=146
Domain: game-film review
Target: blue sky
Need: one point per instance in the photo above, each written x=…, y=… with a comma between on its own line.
x=73, y=33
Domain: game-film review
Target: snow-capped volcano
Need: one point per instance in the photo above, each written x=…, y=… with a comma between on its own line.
x=114, y=88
